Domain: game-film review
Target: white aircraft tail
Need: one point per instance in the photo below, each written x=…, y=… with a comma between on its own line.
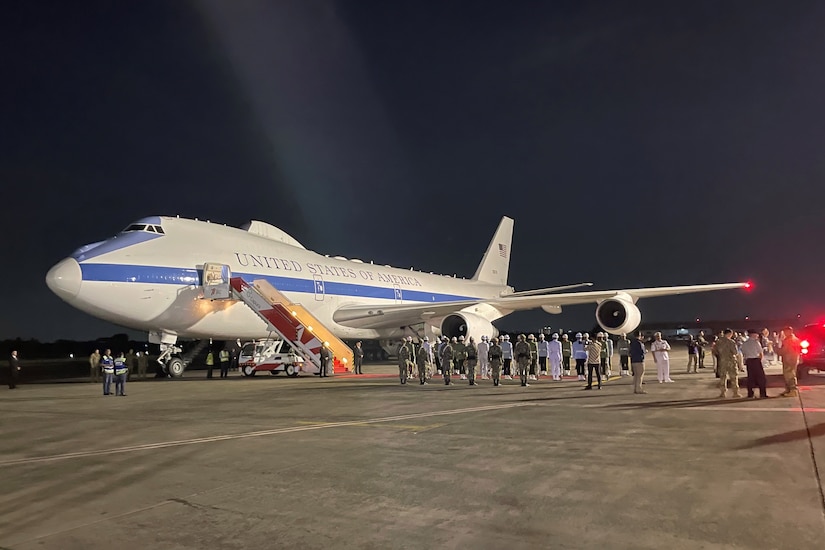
x=495, y=264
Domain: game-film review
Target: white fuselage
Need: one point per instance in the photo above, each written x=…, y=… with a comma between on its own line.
x=150, y=281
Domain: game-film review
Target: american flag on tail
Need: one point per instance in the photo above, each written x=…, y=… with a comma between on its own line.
x=502, y=250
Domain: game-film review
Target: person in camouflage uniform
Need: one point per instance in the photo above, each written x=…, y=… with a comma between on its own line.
x=403, y=358
x=446, y=353
x=726, y=353
x=522, y=352
x=494, y=355
x=472, y=359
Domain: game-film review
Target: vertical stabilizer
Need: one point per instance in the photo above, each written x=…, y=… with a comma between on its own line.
x=495, y=264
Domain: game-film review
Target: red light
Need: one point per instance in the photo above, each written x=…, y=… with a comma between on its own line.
x=748, y=285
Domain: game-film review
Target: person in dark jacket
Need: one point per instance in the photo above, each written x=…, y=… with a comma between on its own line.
x=637, y=361
x=14, y=370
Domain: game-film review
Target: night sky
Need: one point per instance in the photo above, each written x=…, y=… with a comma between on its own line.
x=678, y=143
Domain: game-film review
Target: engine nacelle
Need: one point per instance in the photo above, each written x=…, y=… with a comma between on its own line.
x=466, y=325
x=618, y=315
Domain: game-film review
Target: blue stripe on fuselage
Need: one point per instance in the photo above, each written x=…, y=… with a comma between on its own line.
x=117, y=273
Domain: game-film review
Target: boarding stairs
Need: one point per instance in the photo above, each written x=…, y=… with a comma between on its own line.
x=292, y=322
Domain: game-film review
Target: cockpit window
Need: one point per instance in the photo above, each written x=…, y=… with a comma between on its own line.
x=145, y=228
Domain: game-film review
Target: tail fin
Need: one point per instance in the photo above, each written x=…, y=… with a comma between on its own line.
x=495, y=264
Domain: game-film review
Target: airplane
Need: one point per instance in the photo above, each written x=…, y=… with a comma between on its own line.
x=150, y=277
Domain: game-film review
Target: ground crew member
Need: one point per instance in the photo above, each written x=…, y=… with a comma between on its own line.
x=131, y=364
x=752, y=354
x=483, y=361
x=566, y=353
x=94, y=366
x=325, y=356
x=121, y=373
x=494, y=355
x=143, y=363
x=421, y=359
x=554, y=356
x=637, y=362
x=507, y=355
x=594, y=362
x=210, y=363
x=107, y=365
x=224, y=358
x=726, y=353
x=580, y=354
x=789, y=350
x=446, y=353
x=403, y=353
x=543, y=350
x=534, y=355
x=460, y=357
x=358, y=357
x=623, y=345
x=522, y=353
x=472, y=359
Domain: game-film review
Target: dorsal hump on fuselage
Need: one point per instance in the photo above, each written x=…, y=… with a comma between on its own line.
x=271, y=232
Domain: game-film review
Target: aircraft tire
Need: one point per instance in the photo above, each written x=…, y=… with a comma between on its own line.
x=175, y=367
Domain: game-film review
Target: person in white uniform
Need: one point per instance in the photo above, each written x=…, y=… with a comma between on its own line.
x=660, y=348
x=554, y=356
x=483, y=362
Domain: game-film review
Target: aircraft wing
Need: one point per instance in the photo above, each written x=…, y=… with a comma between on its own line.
x=594, y=296
x=403, y=314
x=396, y=314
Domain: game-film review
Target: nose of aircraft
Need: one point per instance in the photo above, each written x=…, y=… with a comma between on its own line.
x=64, y=278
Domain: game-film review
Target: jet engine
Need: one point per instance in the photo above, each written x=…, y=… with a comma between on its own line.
x=466, y=325
x=618, y=315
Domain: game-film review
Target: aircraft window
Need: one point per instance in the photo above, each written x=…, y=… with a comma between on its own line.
x=150, y=228
x=135, y=227
x=159, y=229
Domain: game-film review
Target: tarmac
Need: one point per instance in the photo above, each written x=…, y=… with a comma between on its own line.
x=364, y=462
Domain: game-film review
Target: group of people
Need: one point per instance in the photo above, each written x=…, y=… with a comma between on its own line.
x=732, y=353
x=131, y=362
x=735, y=353
x=534, y=357
x=114, y=369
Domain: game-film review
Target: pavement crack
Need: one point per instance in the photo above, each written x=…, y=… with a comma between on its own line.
x=817, y=473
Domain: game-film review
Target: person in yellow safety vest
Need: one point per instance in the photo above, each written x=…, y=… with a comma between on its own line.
x=224, y=357
x=121, y=372
x=210, y=363
x=107, y=365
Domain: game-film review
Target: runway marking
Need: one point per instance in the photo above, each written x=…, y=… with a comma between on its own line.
x=760, y=409
x=262, y=433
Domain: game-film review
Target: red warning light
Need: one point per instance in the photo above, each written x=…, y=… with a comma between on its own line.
x=748, y=285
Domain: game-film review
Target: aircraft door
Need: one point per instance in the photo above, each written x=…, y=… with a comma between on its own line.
x=318, y=281
x=215, y=281
x=399, y=297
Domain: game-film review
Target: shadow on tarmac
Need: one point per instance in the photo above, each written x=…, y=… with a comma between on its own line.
x=796, y=435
